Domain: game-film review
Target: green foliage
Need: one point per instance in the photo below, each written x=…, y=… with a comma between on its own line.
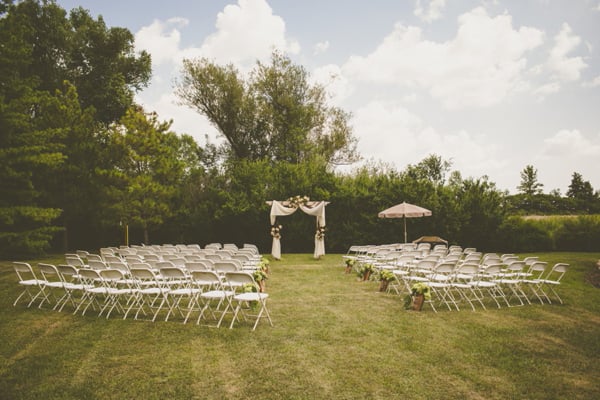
x=148, y=170
x=26, y=230
x=275, y=115
x=520, y=235
x=579, y=234
x=529, y=184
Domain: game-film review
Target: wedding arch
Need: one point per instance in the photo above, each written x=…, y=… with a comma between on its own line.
x=288, y=207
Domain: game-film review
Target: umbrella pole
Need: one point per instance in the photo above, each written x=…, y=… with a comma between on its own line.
x=405, y=229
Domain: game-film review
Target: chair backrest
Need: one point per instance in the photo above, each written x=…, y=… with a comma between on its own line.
x=143, y=274
x=74, y=261
x=238, y=279
x=537, y=269
x=121, y=266
x=67, y=272
x=426, y=264
x=111, y=275
x=98, y=265
x=96, y=257
x=24, y=271
x=49, y=272
x=557, y=272
x=172, y=273
x=89, y=276
x=191, y=266
x=225, y=266
x=492, y=271
x=516, y=266
x=467, y=271
x=178, y=261
x=206, y=278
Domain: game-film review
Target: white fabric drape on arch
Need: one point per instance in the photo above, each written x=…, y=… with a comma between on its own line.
x=314, y=208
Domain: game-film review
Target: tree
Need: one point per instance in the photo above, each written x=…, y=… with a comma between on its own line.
x=104, y=66
x=529, y=184
x=50, y=139
x=275, y=115
x=30, y=147
x=580, y=189
x=149, y=165
x=47, y=48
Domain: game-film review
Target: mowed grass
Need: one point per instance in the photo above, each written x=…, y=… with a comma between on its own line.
x=333, y=338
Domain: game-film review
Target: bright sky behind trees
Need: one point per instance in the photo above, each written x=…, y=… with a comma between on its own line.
x=491, y=85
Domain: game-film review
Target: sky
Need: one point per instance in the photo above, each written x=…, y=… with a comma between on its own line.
x=490, y=85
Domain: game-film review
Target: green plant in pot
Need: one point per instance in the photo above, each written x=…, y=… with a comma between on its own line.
x=260, y=276
x=385, y=277
x=365, y=271
x=420, y=292
x=349, y=264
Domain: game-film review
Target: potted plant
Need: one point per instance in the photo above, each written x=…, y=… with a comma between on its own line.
x=420, y=292
x=264, y=264
x=365, y=271
x=349, y=264
x=260, y=276
x=251, y=288
x=385, y=277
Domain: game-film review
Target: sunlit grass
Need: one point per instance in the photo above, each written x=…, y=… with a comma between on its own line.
x=333, y=338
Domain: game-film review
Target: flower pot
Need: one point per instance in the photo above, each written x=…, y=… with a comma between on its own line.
x=383, y=285
x=348, y=269
x=418, y=300
x=262, y=286
x=366, y=275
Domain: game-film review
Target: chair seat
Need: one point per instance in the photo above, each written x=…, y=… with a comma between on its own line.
x=251, y=296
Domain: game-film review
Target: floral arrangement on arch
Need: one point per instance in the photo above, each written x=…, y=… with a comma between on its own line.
x=320, y=234
x=276, y=231
x=296, y=201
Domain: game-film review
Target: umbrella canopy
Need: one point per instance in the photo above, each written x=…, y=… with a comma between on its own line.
x=404, y=210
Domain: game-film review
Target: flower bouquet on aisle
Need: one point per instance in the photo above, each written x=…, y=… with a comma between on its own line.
x=420, y=292
x=349, y=264
x=385, y=277
x=365, y=271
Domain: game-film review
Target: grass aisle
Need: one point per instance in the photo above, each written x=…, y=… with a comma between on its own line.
x=333, y=338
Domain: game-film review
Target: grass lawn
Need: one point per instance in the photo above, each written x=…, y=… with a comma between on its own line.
x=333, y=338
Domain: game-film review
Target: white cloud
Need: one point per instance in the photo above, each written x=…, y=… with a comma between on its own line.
x=246, y=32
x=161, y=39
x=566, y=152
x=321, y=47
x=480, y=66
x=433, y=11
x=570, y=144
x=594, y=83
x=338, y=86
x=548, y=88
x=566, y=68
x=391, y=133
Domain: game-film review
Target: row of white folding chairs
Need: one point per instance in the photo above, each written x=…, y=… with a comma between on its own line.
x=170, y=290
x=94, y=261
x=473, y=283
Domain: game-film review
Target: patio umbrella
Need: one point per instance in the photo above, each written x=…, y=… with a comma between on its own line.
x=404, y=210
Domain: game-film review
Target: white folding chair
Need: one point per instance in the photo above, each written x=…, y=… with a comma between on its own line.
x=53, y=283
x=147, y=292
x=32, y=286
x=213, y=297
x=552, y=280
x=179, y=292
x=238, y=280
